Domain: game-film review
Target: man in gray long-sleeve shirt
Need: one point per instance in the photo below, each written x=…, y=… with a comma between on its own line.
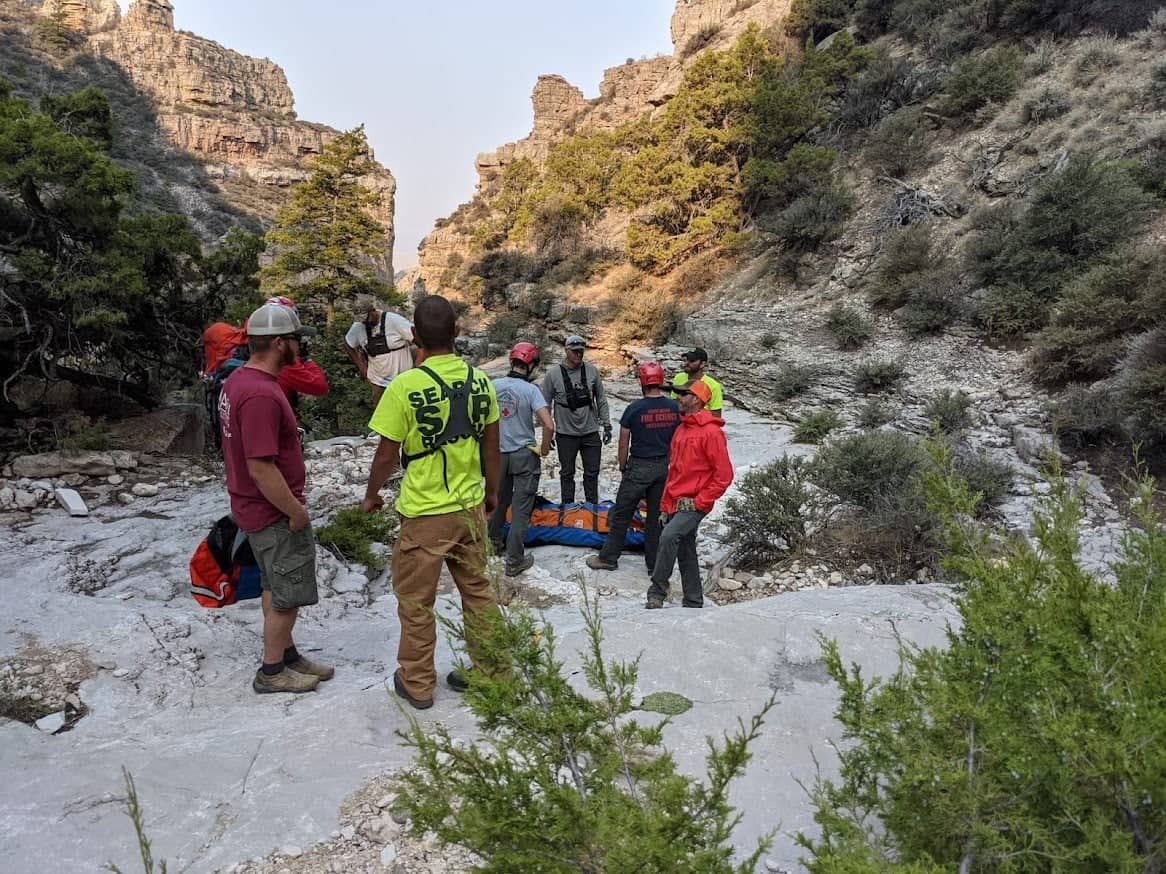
x=574, y=392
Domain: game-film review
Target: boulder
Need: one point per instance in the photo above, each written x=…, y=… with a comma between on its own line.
x=54, y=464
x=25, y=500
x=145, y=490
x=174, y=430
x=1033, y=446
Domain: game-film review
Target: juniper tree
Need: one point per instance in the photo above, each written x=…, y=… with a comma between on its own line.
x=325, y=240
x=567, y=781
x=1036, y=741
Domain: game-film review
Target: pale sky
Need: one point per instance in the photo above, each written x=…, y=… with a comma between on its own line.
x=434, y=83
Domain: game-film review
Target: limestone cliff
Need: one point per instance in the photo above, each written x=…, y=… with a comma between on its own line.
x=626, y=92
x=235, y=114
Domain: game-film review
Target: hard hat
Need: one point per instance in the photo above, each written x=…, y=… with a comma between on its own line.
x=650, y=373
x=527, y=353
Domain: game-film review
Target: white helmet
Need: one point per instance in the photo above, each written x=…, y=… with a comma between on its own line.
x=277, y=320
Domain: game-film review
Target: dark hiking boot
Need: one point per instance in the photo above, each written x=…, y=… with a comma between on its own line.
x=312, y=669
x=601, y=564
x=513, y=570
x=457, y=681
x=654, y=604
x=402, y=692
x=286, y=680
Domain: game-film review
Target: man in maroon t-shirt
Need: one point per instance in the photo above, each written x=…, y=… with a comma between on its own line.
x=265, y=478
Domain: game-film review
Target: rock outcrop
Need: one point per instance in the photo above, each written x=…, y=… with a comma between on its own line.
x=234, y=113
x=626, y=92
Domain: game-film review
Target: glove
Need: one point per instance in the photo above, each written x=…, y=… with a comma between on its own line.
x=663, y=519
x=606, y=434
x=686, y=505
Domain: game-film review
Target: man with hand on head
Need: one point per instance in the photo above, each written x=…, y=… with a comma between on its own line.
x=574, y=392
x=519, y=403
x=696, y=368
x=378, y=344
x=265, y=479
x=645, y=435
x=699, y=472
x=440, y=422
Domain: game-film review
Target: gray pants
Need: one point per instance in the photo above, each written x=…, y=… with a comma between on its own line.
x=520, y=475
x=643, y=479
x=678, y=542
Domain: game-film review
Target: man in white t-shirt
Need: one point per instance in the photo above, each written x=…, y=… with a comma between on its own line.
x=378, y=343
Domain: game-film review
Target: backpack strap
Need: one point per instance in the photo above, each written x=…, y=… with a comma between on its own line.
x=458, y=426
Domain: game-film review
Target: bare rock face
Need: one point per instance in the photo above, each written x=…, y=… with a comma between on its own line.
x=730, y=17
x=627, y=92
x=233, y=112
x=83, y=16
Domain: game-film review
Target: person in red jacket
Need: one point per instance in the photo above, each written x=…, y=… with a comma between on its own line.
x=303, y=376
x=699, y=472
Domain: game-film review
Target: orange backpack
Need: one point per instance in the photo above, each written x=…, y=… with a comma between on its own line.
x=223, y=569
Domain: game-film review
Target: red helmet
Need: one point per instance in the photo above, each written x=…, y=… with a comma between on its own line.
x=651, y=373
x=526, y=353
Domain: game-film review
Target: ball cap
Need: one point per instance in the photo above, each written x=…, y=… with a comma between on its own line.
x=695, y=354
x=575, y=342
x=276, y=320
x=698, y=388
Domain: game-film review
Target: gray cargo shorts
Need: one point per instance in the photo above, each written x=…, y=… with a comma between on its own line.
x=287, y=564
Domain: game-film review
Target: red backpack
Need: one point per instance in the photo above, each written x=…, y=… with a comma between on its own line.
x=223, y=568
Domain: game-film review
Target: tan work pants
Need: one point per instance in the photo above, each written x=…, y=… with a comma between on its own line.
x=424, y=543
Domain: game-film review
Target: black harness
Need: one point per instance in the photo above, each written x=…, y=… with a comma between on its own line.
x=458, y=426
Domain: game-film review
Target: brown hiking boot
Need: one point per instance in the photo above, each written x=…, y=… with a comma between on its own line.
x=599, y=564
x=312, y=669
x=655, y=604
x=286, y=680
x=513, y=570
x=402, y=692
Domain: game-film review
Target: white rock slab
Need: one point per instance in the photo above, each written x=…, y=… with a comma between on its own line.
x=72, y=502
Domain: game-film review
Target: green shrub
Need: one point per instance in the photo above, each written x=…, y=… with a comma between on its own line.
x=816, y=426
x=878, y=375
x=880, y=474
x=992, y=76
x=499, y=268
x=986, y=479
x=873, y=469
x=885, y=82
x=876, y=412
x=933, y=304
x=583, y=266
x=1158, y=84
x=558, y=779
x=352, y=531
x=949, y=410
x=813, y=219
x=1049, y=104
x=1096, y=313
x=503, y=330
x=908, y=259
x=1143, y=393
x=1075, y=217
x=1086, y=415
x=792, y=380
x=84, y=435
x=956, y=33
x=901, y=144
x=849, y=328
x=772, y=513
x=1021, y=693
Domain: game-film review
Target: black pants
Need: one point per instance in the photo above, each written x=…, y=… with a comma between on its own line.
x=678, y=544
x=591, y=448
x=643, y=479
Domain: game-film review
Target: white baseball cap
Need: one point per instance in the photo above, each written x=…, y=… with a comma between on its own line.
x=277, y=320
